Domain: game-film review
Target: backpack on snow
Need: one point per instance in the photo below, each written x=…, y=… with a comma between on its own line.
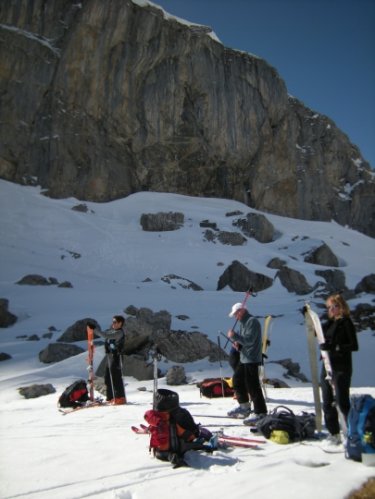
x=298, y=427
x=213, y=387
x=74, y=395
x=169, y=439
x=361, y=427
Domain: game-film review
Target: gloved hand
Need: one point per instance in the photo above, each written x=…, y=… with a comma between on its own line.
x=326, y=347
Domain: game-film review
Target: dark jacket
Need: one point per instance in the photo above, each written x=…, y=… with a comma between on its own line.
x=114, y=339
x=250, y=339
x=340, y=341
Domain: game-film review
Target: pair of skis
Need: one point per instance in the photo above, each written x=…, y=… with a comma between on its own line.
x=223, y=440
x=90, y=404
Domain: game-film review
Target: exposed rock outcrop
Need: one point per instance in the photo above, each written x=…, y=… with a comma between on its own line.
x=335, y=280
x=6, y=318
x=104, y=99
x=323, y=255
x=155, y=222
x=294, y=281
x=257, y=226
x=56, y=352
x=39, y=280
x=77, y=331
x=239, y=278
x=35, y=391
x=366, y=285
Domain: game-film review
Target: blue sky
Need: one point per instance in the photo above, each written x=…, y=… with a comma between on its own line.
x=323, y=49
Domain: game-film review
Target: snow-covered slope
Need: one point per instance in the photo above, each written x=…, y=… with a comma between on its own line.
x=112, y=263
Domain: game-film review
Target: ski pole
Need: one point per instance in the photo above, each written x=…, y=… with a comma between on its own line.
x=229, y=340
x=109, y=364
x=155, y=356
x=221, y=367
x=248, y=293
x=90, y=360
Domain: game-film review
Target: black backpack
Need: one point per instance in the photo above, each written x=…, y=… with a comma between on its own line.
x=74, y=395
x=282, y=418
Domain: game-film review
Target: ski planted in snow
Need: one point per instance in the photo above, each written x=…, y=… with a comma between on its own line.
x=90, y=361
x=314, y=323
x=265, y=344
x=311, y=344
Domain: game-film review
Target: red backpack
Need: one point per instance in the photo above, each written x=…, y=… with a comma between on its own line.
x=74, y=395
x=165, y=432
x=213, y=387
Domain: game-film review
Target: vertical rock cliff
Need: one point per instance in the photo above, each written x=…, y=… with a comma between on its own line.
x=103, y=98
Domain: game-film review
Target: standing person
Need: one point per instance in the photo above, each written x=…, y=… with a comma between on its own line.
x=114, y=343
x=246, y=381
x=340, y=341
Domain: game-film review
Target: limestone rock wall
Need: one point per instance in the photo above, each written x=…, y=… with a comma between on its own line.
x=103, y=98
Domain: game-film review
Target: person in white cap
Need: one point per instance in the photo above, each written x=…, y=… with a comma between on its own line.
x=246, y=381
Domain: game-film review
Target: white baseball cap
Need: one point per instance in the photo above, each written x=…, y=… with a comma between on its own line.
x=236, y=307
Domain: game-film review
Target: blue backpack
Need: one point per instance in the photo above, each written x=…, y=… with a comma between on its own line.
x=361, y=427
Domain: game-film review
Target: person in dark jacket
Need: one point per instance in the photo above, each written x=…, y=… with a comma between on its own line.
x=114, y=344
x=246, y=381
x=340, y=341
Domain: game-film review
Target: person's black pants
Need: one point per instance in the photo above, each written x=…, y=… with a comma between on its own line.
x=246, y=384
x=341, y=399
x=113, y=377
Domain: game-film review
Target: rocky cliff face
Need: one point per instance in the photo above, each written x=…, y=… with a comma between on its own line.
x=103, y=98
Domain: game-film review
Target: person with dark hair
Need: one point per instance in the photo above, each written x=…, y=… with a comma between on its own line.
x=340, y=341
x=246, y=381
x=114, y=344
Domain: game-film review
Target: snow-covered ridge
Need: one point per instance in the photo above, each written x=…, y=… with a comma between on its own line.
x=199, y=27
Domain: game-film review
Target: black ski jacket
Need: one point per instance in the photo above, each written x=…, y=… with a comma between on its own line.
x=114, y=339
x=340, y=341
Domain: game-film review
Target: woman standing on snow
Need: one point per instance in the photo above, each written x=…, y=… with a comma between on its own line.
x=340, y=341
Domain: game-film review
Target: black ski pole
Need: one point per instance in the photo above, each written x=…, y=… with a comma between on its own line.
x=221, y=367
x=229, y=340
x=109, y=364
x=155, y=357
